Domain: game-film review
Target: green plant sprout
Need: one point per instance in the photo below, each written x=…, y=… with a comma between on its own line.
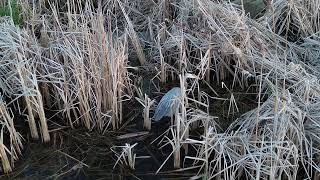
x=13, y=10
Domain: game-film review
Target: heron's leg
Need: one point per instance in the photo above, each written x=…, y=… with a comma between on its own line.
x=161, y=125
x=156, y=128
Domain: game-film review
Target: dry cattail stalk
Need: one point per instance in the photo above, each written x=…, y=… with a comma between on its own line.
x=126, y=156
x=133, y=35
x=146, y=103
x=14, y=148
x=4, y=158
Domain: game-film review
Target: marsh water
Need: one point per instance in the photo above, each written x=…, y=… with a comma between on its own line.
x=81, y=154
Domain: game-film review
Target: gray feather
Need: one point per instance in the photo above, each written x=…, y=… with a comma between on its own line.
x=168, y=104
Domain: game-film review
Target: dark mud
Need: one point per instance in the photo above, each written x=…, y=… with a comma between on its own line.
x=79, y=154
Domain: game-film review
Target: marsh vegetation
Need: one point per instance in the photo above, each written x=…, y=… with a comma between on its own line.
x=80, y=82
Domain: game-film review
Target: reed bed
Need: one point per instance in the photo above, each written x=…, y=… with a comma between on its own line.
x=77, y=69
x=82, y=61
x=228, y=42
x=293, y=19
x=91, y=76
x=9, y=153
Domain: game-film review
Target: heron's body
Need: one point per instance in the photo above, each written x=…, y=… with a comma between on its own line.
x=168, y=104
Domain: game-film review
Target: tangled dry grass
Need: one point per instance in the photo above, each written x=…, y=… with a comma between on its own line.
x=81, y=60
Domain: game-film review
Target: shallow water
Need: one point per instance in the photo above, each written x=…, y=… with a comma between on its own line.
x=79, y=154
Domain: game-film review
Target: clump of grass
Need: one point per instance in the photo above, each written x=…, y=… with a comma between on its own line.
x=90, y=79
x=12, y=9
x=294, y=19
x=8, y=152
x=227, y=43
x=147, y=103
x=125, y=154
x=19, y=76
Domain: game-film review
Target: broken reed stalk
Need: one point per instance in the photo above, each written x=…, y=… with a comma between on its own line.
x=34, y=103
x=163, y=73
x=40, y=110
x=3, y=155
x=147, y=104
x=15, y=145
x=31, y=119
x=177, y=145
x=15, y=137
x=232, y=105
x=131, y=156
x=206, y=148
x=126, y=156
x=146, y=112
x=181, y=128
x=118, y=73
x=183, y=109
x=209, y=63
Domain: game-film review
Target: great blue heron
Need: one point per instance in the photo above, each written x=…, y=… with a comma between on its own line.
x=168, y=104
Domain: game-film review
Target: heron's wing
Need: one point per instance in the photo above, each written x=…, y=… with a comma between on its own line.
x=164, y=107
